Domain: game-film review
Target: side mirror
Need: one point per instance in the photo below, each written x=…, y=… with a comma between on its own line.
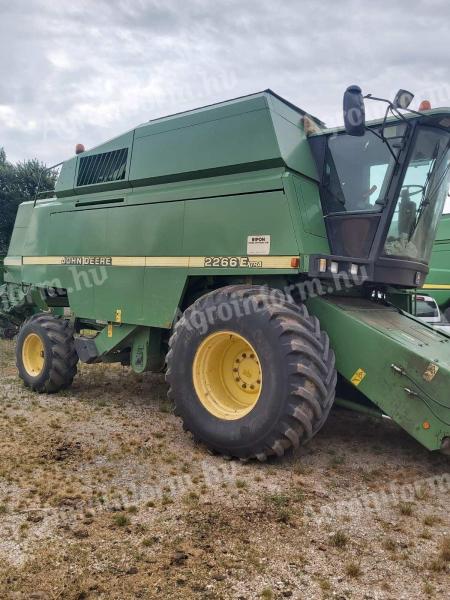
x=354, y=111
x=403, y=99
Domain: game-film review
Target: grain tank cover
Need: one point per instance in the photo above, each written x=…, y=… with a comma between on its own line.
x=253, y=132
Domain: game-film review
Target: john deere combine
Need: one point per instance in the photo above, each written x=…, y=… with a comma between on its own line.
x=254, y=254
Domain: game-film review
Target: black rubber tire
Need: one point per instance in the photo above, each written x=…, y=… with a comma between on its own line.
x=447, y=314
x=60, y=357
x=298, y=366
x=9, y=333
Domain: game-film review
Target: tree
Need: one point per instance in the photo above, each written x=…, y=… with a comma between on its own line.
x=8, y=204
x=19, y=183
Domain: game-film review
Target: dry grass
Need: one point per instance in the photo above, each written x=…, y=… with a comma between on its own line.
x=102, y=495
x=353, y=569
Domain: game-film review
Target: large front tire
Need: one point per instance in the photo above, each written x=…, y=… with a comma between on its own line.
x=45, y=353
x=250, y=373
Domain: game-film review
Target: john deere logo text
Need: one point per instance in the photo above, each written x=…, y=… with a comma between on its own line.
x=95, y=261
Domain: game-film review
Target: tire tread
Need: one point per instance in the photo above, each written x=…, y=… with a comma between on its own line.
x=311, y=377
x=64, y=359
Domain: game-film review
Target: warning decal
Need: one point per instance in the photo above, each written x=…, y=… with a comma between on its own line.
x=358, y=377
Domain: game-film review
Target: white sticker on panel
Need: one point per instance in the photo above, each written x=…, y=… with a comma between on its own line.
x=258, y=245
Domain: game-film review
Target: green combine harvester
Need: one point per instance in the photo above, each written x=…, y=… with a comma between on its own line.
x=255, y=255
x=438, y=280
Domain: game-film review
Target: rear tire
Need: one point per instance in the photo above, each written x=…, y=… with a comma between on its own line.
x=9, y=333
x=45, y=353
x=242, y=337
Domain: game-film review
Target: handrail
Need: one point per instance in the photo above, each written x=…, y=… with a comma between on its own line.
x=46, y=170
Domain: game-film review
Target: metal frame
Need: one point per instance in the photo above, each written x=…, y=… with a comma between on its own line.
x=46, y=170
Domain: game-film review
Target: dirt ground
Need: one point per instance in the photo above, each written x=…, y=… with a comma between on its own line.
x=102, y=495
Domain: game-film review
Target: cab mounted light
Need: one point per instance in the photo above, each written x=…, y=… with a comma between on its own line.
x=322, y=265
x=425, y=105
x=334, y=267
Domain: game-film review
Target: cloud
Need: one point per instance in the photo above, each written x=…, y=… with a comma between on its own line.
x=87, y=71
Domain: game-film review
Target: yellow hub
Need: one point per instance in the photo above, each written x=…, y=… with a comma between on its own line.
x=227, y=375
x=33, y=355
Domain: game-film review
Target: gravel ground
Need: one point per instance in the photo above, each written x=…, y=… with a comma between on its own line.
x=102, y=495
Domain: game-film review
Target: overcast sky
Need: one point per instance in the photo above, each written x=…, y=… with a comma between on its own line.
x=87, y=70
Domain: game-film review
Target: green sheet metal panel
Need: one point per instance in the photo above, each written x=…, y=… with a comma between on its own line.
x=76, y=232
x=257, y=131
x=219, y=144
x=196, y=116
x=38, y=233
x=221, y=226
x=307, y=216
x=210, y=187
x=155, y=230
x=123, y=289
x=66, y=180
x=122, y=231
x=293, y=145
x=307, y=242
x=163, y=290
x=17, y=242
x=138, y=233
x=368, y=339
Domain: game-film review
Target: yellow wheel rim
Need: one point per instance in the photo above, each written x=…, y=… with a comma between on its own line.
x=33, y=355
x=227, y=375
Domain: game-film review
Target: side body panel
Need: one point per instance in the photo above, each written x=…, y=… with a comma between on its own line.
x=138, y=250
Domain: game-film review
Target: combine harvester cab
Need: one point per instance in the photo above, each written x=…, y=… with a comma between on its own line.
x=397, y=362
x=250, y=252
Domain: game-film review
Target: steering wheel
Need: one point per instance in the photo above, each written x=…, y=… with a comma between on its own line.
x=419, y=189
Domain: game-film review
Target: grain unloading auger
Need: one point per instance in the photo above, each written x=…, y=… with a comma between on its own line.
x=254, y=254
